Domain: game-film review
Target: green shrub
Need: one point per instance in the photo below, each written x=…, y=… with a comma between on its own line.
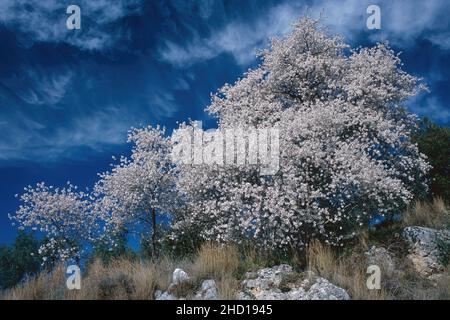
x=434, y=141
x=19, y=260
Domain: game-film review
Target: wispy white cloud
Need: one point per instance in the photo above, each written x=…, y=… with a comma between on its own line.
x=96, y=131
x=238, y=38
x=441, y=39
x=100, y=123
x=162, y=104
x=45, y=20
x=403, y=22
x=47, y=88
x=430, y=106
x=34, y=129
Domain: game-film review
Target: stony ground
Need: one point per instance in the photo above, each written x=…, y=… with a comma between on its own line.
x=281, y=282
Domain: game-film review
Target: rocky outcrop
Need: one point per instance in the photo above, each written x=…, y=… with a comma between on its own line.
x=208, y=291
x=282, y=283
x=276, y=283
x=268, y=277
x=425, y=246
x=322, y=289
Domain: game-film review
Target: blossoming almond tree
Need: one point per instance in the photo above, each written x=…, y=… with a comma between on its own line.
x=64, y=215
x=345, y=148
x=139, y=187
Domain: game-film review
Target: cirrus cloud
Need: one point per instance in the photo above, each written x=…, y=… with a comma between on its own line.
x=45, y=21
x=403, y=23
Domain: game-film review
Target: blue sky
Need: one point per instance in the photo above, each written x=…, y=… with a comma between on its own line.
x=68, y=97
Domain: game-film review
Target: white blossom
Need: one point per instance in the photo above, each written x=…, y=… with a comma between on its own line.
x=63, y=215
x=141, y=185
x=346, y=153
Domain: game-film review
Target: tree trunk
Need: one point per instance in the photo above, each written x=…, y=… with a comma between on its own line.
x=154, y=232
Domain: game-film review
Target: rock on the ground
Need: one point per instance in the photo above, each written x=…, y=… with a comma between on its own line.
x=179, y=276
x=424, y=248
x=276, y=283
x=282, y=283
x=159, y=295
x=271, y=294
x=298, y=293
x=208, y=291
x=381, y=257
x=322, y=289
x=243, y=295
x=268, y=277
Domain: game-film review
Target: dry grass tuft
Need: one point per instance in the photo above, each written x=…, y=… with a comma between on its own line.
x=349, y=272
x=321, y=259
x=433, y=215
x=227, y=287
x=215, y=260
x=45, y=286
x=219, y=262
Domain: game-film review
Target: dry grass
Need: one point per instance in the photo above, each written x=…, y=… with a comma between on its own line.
x=214, y=261
x=120, y=280
x=124, y=279
x=432, y=215
x=441, y=290
x=46, y=286
x=227, y=286
x=219, y=262
x=321, y=259
x=348, y=272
